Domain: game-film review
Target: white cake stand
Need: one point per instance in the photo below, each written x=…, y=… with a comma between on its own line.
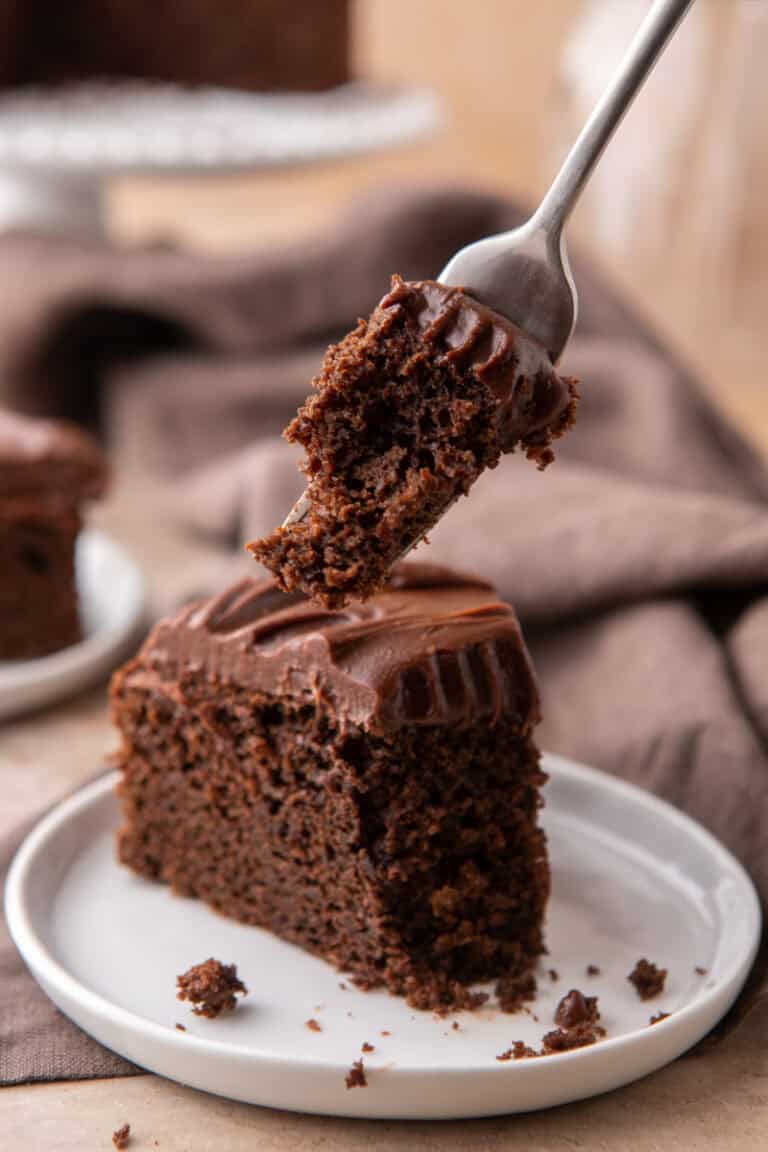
x=58, y=147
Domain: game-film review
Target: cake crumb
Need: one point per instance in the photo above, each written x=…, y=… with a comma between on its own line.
x=455, y=1025
x=385, y=1033
x=211, y=988
x=355, y=1078
x=700, y=971
x=658, y=1017
x=577, y=1019
x=122, y=1137
x=513, y=991
x=179, y=1027
x=313, y=1025
x=554, y=975
x=647, y=979
x=442, y=996
x=518, y=1051
x=566, y=1039
x=368, y=1047
x=575, y=1008
x=593, y=970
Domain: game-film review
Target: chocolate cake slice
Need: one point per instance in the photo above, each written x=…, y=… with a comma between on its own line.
x=47, y=470
x=364, y=783
x=410, y=408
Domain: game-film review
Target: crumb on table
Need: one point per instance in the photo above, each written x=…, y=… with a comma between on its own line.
x=121, y=1138
x=659, y=1017
x=368, y=1047
x=593, y=970
x=554, y=975
x=179, y=1027
x=313, y=1025
x=211, y=988
x=355, y=1078
x=647, y=979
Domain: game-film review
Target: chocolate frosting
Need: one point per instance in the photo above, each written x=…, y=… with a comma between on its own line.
x=532, y=397
x=434, y=648
x=48, y=458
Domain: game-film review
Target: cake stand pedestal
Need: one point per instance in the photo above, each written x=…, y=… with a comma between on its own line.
x=60, y=146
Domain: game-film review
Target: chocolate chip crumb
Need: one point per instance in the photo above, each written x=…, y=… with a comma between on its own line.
x=367, y=1047
x=659, y=1016
x=647, y=979
x=518, y=1051
x=122, y=1137
x=313, y=1025
x=211, y=988
x=593, y=970
x=575, y=1008
x=700, y=971
x=455, y=1025
x=553, y=975
x=355, y=1078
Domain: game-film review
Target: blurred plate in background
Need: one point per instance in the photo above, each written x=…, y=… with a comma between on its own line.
x=112, y=607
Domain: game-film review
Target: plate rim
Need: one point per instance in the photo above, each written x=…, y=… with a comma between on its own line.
x=44, y=966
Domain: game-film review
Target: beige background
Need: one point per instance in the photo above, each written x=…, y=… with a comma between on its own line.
x=496, y=64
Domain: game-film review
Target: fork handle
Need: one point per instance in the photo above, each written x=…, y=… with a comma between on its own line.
x=642, y=54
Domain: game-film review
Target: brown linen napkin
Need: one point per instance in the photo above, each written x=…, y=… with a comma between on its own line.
x=638, y=562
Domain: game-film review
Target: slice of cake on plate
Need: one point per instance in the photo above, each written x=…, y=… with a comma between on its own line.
x=363, y=783
x=410, y=409
x=48, y=470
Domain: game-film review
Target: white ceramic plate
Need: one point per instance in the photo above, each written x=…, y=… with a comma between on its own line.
x=112, y=604
x=632, y=877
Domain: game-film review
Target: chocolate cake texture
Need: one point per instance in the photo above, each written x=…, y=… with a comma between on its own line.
x=410, y=408
x=363, y=783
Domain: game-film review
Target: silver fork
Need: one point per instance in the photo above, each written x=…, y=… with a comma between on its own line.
x=524, y=274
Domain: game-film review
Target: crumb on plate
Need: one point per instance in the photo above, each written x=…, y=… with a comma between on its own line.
x=211, y=988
